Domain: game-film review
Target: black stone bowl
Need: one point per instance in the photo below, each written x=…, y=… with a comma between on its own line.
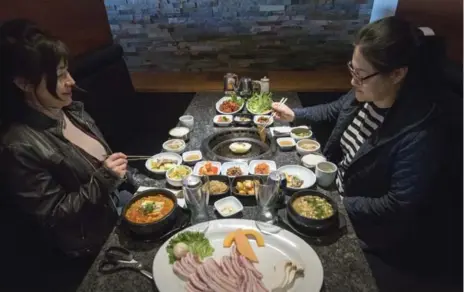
x=246, y=200
x=243, y=123
x=159, y=227
x=221, y=178
x=308, y=225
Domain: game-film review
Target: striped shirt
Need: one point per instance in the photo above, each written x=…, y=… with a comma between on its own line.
x=363, y=125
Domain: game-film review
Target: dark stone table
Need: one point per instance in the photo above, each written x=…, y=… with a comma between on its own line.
x=345, y=268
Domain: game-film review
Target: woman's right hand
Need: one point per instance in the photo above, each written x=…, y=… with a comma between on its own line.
x=283, y=112
x=117, y=162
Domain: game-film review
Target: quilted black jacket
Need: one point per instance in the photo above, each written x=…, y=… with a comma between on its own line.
x=391, y=180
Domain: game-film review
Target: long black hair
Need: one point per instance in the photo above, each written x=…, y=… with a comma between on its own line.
x=29, y=53
x=391, y=43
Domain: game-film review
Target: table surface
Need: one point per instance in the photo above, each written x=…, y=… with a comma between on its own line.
x=345, y=268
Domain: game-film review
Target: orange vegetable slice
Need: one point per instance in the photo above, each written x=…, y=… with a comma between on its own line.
x=244, y=247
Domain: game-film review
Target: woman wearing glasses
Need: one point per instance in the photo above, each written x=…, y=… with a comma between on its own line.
x=385, y=142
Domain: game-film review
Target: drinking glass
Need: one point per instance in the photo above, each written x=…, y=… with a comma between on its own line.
x=196, y=193
x=267, y=195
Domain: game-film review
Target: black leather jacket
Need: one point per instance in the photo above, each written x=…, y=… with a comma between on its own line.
x=59, y=192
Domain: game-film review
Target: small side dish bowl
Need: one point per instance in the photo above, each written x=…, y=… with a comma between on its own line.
x=263, y=120
x=180, y=133
x=306, y=146
x=243, y=188
x=192, y=157
x=240, y=167
x=174, y=145
x=162, y=162
x=223, y=120
x=228, y=206
x=299, y=133
x=215, y=193
x=286, y=143
x=215, y=167
x=271, y=166
x=175, y=175
x=243, y=120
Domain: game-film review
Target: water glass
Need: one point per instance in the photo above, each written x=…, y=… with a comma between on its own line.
x=267, y=195
x=196, y=194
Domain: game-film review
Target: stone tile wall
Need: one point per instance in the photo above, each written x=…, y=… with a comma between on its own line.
x=228, y=35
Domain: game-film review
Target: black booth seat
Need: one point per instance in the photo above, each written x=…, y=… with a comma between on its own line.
x=134, y=123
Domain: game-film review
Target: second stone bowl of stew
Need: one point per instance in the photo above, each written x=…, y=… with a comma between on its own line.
x=311, y=211
x=153, y=211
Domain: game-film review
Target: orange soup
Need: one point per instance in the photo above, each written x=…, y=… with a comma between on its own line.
x=149, y=209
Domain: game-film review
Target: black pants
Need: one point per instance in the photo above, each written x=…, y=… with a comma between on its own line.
x=395, y=279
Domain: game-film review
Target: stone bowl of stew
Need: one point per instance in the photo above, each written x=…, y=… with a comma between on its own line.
x=310, y=211
x=152, y=211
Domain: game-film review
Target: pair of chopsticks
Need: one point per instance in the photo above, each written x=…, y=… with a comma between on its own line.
x=135, y=157
x=282, y=101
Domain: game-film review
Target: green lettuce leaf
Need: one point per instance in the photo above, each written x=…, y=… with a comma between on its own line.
x=197, y=242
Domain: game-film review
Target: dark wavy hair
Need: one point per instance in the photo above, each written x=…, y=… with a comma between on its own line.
x=29, y=53
x=391, y=43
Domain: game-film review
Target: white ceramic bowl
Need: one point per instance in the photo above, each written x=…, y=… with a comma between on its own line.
x=312, y=146
x=185, y=156
x=312, y=159
x=269, y=122
x=300, y=129
x=180, y=133
x=198, y=165
x=272, y=166
x=160, y=156
x=219, y=122
x=286, y=147
x=240, y=147
x=176, y=182
x=225, y=98
x=168, y=146
x=228, y=206
x=308, y=177
x=226, y=165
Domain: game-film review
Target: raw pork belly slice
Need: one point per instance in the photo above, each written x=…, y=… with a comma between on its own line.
x=233, y=273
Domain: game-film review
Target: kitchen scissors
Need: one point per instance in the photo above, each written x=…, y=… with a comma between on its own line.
x=118, y=258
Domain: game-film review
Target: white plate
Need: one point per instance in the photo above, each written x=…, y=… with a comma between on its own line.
x=253, y=163
x=283, y=131
x=198, y=165
x=281, y=246
x=256, y=113
x=223, y=124
x=219, y=102
x=226, y=165
x=164, y=155
x=308, y=177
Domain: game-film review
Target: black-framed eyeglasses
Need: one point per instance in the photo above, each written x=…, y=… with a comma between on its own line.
x=357, y=77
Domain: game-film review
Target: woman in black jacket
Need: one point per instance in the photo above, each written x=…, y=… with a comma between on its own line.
x=59, y=175
x=387, y=143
